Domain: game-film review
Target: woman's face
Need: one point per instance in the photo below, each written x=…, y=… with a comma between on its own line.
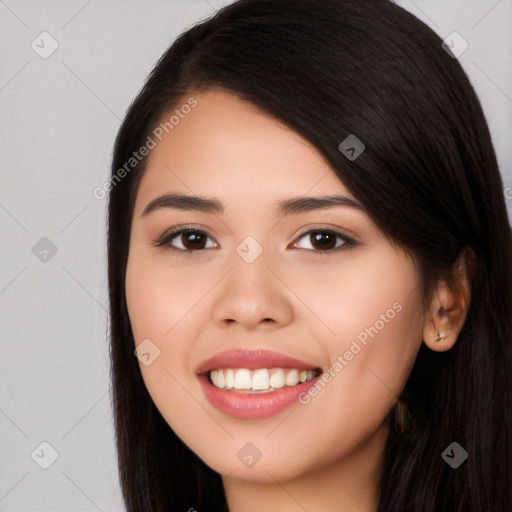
x=258, y=295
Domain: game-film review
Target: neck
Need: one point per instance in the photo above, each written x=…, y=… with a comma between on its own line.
x=351, y=484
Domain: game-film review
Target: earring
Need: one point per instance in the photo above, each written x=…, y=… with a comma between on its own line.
x=404, y=420
x=440, y=336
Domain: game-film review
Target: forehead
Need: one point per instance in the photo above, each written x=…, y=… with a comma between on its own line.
x=225, y=146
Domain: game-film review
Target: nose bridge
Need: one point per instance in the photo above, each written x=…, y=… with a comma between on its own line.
x=251, y=293
x=250, y=250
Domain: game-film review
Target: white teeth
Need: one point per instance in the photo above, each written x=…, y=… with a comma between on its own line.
x=230, y=378
x=243, y=379
x=221, y=381
x=259, y=380
x=292, y=378
x=277, y=380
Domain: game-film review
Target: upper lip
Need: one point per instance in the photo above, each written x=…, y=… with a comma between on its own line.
x=252, y=359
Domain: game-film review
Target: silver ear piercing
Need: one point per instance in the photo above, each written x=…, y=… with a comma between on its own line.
x=440, y=336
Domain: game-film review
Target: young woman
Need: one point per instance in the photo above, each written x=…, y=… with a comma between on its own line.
x=310, y=271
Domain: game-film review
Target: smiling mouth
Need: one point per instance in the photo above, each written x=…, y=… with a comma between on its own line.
x=255, y=384
x=260, y=380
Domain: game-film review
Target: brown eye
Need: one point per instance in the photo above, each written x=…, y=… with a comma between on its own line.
x=186, y=240
x=325, y=240
x=193, y=240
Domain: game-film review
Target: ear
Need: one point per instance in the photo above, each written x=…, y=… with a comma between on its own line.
x=449, y=304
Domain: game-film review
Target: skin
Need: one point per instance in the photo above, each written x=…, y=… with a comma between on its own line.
x=323, y=456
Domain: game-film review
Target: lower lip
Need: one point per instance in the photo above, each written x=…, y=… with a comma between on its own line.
x=252, y=406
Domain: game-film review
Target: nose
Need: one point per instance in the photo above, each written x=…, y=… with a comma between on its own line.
x=252, y=295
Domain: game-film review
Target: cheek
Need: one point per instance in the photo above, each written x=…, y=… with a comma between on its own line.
x=377, y=288
x=381, y=312
x=373, y=310
x=167, y=306
x=159, y=298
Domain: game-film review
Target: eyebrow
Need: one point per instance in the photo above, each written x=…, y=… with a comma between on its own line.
x=213, y=205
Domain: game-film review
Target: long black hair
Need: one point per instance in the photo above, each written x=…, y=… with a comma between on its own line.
x=428, y=178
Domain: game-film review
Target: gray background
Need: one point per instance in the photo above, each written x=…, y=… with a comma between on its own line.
x=59, y=119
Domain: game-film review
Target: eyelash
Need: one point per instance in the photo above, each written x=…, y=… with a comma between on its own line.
x=166, y=237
